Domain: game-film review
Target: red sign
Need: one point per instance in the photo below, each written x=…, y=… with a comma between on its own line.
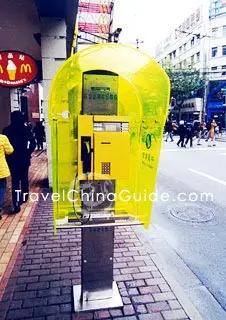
x=16, y=69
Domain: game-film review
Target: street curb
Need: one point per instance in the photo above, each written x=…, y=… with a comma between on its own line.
x=180, y=294
x=195, y=298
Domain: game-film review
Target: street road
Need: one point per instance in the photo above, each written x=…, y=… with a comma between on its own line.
x=196, y=230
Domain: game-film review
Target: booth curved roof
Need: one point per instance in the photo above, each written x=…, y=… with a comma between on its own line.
x=137, y=68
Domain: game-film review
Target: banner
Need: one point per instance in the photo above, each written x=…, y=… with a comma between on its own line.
x=94, y=18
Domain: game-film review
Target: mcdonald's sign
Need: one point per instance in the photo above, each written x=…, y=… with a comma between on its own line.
x=25, y=68
x=16, y=68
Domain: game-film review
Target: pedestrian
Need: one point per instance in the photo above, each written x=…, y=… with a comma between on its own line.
x=220, y=128
x=189, y=134
x=197, y=132
x=174, y=127
x=169, y=130
x=208, y=127
x=24, y=144
x=181, y=132
x=5, y=149
x=211, y=140
x=29, y=125
x=39, y=132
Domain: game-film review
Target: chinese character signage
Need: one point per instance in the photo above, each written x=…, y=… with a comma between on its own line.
x=191, y=22
x=100, y=94
x=16, y=69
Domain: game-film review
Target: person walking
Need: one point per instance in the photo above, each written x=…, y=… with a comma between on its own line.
x=24, y=144
x=169, y=130
x=211, y=140
x=189, y=134
x=39, y=132
x=181, y=132
x=5, y=149
x=174, y=127
x=197, y=132
x=208, y=127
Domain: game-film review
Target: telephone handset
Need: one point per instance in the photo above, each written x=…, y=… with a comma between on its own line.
x=86, y=154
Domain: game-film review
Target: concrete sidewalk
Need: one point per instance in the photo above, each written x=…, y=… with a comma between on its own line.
x=38, y=285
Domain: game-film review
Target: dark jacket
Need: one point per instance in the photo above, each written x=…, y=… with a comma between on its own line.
x=23, y=142
x=169, y=126
x=181, y=130
x=197, y=126
x=39, y=131
x=189, y=130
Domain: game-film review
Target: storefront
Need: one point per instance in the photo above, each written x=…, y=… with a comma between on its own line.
x=215, y=101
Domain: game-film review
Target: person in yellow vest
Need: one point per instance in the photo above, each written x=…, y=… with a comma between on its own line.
x=5, y=148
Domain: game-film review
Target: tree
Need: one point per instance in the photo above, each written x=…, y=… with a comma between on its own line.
x=185, y=83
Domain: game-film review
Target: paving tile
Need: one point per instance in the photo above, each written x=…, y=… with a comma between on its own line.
x=153, y=316
x=164, y=296
x=146, y=298
x=174, y=314
x=174, y=304
x=128, y=310
x=158, y=306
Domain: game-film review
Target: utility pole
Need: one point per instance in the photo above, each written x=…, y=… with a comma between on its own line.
x=138, y=42
x=224, y=105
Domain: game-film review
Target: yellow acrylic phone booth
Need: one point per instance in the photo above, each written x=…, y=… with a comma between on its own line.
x=107, y=110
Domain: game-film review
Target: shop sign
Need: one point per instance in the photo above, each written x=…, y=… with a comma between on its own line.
x=16, y=69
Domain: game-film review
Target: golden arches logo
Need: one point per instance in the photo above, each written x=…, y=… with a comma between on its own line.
x=24, y=68
x=1, y=70
x=105, y=8
x=103, y=28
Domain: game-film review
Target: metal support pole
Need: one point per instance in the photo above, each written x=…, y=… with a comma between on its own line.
x=97, y=289
x=205, y=96
x=138, y=42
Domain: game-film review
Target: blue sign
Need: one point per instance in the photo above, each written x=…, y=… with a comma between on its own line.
x=217, y=8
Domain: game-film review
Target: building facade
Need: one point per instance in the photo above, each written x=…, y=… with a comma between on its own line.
x=217, y=61
x=43, y=30
x=200, y=41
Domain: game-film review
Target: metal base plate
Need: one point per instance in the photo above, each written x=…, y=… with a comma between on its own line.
x=113, y=302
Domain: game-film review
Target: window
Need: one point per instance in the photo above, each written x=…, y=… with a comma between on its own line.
x=223, y=50
x=185, y=45
x=224, y=70
x=192, y=41
x=214, y=52
x=214, y=32
x=192, y=59
x=198, y=38
x=213, y=68
x=224, y=31
x=198, y=56
x=180, y=49
x=180, y=65
x=174, y=54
